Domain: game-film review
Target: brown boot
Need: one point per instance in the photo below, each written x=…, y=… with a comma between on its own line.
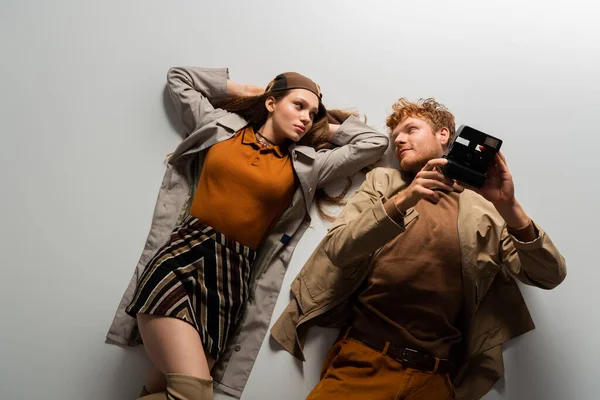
x=184, y=387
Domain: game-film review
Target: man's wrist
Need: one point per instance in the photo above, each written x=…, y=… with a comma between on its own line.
x=400, y=203
x=393, y=212
x=514, y=215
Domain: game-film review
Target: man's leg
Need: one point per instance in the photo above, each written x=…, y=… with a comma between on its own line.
x=354, y=371
x=429, y=386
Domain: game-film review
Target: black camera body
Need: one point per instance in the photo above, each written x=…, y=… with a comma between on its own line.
x=470, y=155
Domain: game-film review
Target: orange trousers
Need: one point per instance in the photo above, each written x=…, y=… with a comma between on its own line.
x=355, y=371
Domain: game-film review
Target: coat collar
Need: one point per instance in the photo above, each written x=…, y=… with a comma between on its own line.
x=308, y=151
x=233, y=121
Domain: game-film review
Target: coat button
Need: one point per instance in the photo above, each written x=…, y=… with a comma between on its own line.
x=237, y=347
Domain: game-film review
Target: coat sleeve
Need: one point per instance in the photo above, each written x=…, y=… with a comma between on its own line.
x=537, y=263
x=364, y=225
x=194, y=91
x=359, y=146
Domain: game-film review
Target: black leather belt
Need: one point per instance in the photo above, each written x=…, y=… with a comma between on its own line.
x=409, y=357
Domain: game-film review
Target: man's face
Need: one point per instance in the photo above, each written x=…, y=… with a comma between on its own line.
x=416, y=143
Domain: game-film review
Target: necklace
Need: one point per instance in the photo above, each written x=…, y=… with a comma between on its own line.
x=263, y=141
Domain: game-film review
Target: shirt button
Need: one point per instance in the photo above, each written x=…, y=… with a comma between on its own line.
x=237, y=347
x=309, y=190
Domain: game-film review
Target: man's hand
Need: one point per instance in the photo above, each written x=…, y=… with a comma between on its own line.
x=499, y=189
x=425, y=186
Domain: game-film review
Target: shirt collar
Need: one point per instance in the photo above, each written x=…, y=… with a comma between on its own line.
x=249, y=138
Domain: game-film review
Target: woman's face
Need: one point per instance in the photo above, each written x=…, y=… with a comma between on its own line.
x=293, y=115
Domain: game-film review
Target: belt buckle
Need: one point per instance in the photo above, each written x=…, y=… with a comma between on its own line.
x=409, y=356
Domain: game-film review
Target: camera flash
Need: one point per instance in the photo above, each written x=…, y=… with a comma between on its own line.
x=490, y=141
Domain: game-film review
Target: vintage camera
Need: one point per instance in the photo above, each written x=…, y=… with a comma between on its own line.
x=470, y=155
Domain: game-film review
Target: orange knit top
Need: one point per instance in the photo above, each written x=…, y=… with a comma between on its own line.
x=244, y=188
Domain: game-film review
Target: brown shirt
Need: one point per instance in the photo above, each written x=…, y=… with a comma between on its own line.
x=243, y=188
x=413, y=293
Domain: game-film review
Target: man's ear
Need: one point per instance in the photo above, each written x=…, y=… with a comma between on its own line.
x=270, y=104
x=443, y=136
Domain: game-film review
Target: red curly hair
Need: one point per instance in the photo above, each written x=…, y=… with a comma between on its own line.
x=429, y=110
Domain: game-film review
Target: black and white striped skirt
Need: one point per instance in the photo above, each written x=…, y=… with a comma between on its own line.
x=200, y=277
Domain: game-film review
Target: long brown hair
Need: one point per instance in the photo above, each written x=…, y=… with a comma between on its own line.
x=253, y=110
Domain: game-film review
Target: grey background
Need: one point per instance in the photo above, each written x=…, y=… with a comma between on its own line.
x=85, y=129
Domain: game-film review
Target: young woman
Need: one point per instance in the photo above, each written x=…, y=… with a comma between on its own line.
x=234, y=202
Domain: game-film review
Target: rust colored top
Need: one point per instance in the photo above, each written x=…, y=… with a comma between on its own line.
x=244, y=187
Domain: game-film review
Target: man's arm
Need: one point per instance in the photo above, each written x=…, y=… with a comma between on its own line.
x=369, y=221
x=534, y=262
x=364, y=225
x=526, y=249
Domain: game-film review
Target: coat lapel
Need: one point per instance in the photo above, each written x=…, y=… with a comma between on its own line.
x=303, y=158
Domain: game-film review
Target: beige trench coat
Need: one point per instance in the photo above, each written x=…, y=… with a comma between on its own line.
x=195, y=93
x=493, y=305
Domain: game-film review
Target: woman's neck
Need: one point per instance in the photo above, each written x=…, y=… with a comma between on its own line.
x=268, y=132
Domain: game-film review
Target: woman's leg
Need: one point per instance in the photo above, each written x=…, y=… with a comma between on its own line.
x=175, y=348
x=158, y=383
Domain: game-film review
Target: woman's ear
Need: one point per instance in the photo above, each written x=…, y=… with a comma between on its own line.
x=270, y=103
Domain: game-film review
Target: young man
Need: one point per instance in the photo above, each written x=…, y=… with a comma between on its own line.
x=420, y=273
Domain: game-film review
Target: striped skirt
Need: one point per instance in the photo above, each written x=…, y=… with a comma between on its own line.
x=200, y=277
